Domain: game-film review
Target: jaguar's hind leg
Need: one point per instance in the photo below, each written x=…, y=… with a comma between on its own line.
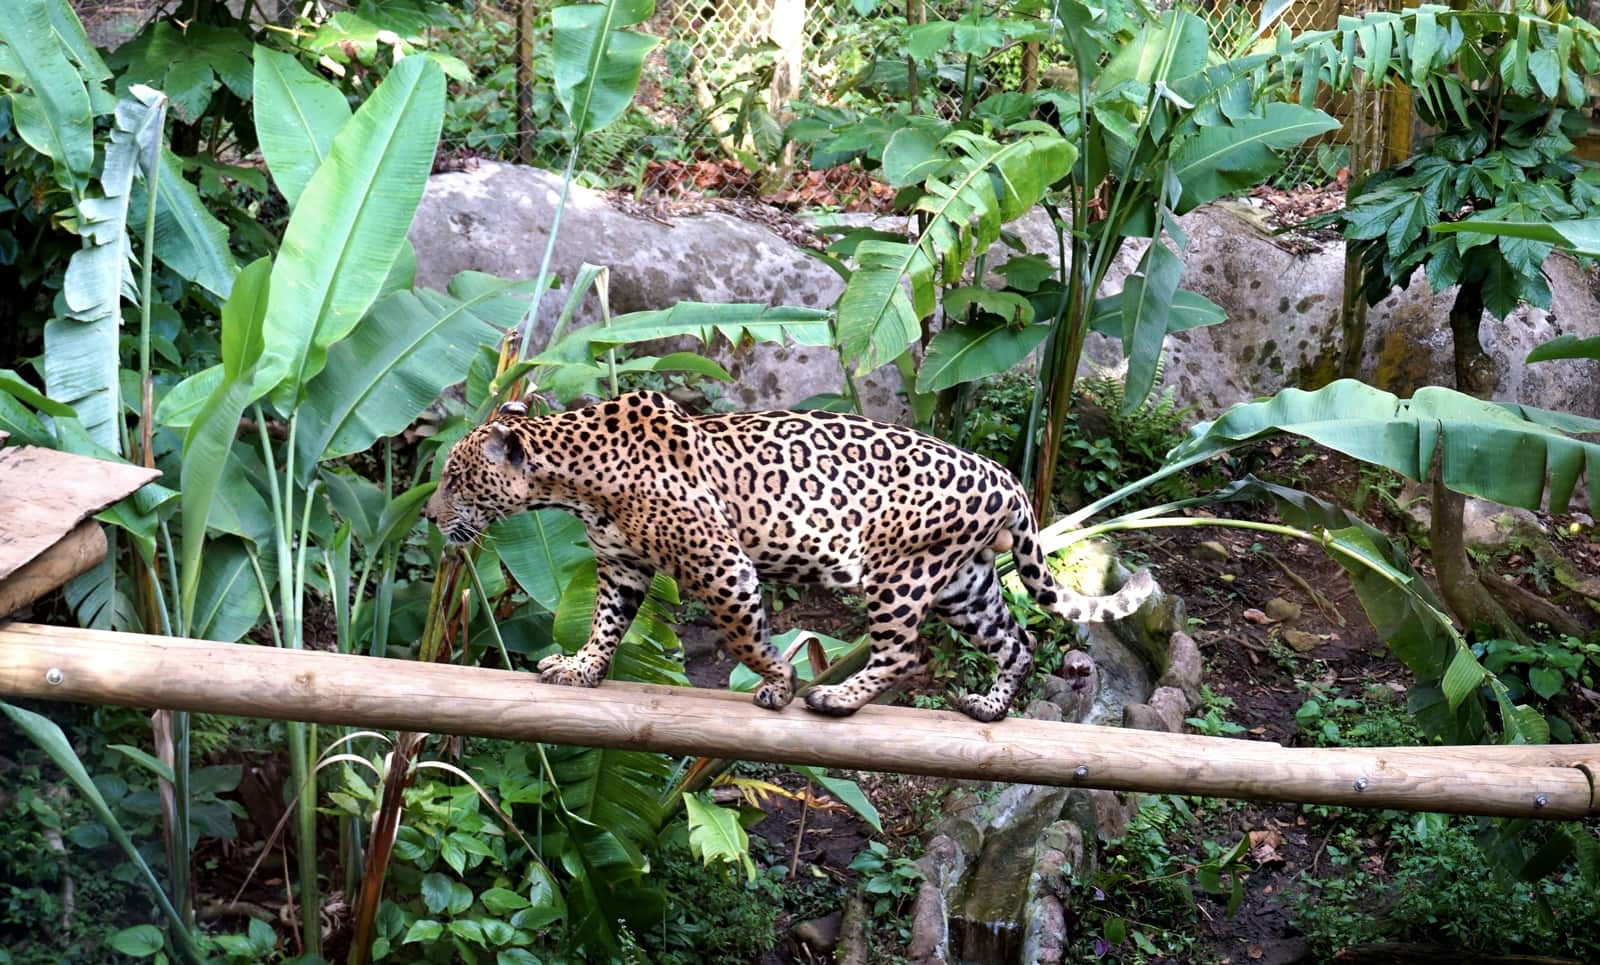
x=896, y=606
x=972, y=605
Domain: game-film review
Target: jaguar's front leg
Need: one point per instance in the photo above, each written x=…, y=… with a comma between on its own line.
x=620, y=588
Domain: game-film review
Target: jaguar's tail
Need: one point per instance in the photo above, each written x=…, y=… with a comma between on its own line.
x=1064, y=603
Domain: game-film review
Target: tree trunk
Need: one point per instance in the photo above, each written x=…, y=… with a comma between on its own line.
x=524, y=81
x=1468, y=600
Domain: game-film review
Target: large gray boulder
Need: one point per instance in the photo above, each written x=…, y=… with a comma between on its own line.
x=1283, y=326
x=1283, y=306
x=496, y=218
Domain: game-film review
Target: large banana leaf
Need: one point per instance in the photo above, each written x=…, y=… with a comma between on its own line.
x=1147, y=299
x=392, y=365
x=189, y=239
x=702, y=320
x=350, y=226
x=229, y=601
x=81, y=359
x=1229, y=157
x=543, y=550
x=209, y=440
x=57, y=117
x=297, y=116
x=1188, y=310
x=1515, y=455
x=597, y=60
x=965, y=353
x=1578, y=237
x=991, y=184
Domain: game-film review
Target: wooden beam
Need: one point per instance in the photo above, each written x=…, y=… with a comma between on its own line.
x=252, y=681
x=44, y=494
x=76, y=553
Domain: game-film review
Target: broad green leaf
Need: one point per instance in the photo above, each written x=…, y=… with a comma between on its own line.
x=56, y=118
x=1566, y=347
x=1579, y=237
x=989, y=184
x=297, y=116
x=966, y=353
x=912, y=155
x=182, y=404
x=715, y=834
x=1546, y=682
x=1502, y=453
x=598, y=60
x=705, y=320
x=13, y=385
x=1189, y=310
x=209, y=439
x=1462, y=678
x=502, y=901
x=1222, y=159
x=436, y=889
x=847, y=791
x=82, y=357
x=392, y=365
x=1174, y=47
x=189, y=239
x=542, y=549
x=350, y=226
x=140, y=941
x=1146, y=312
x=228, y=601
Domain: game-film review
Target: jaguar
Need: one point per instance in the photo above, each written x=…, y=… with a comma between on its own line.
x=724, y=501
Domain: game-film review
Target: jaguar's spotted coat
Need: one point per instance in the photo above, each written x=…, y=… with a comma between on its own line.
x=724, y=501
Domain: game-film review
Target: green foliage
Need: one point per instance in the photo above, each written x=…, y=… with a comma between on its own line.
x=717, y=917
x=1103, y=447
x=1141, y=904
x=889, y=881
x=1212, y=719
x=1444, y=890
x=1374, y=717
x=1541, y=674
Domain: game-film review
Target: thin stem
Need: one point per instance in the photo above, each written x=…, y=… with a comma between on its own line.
x=488, y=609
x=266, y=596
x=530, y=319
x=153, y=179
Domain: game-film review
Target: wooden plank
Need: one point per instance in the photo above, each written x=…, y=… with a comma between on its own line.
x=77, y=553
x=44, y=494
x=252, y=681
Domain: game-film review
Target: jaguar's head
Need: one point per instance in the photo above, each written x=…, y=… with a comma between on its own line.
x=483, y=478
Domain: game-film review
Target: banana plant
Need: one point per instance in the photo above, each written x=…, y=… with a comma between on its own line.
x=1159, y=122
x=597, y=62
x=1511, y=454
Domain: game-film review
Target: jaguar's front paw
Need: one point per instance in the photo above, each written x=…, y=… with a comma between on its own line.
x=981, y=707
x=836, y=701
x=567, y=671
x=776, y=694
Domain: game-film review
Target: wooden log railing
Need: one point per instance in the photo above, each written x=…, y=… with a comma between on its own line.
x=1550, y=781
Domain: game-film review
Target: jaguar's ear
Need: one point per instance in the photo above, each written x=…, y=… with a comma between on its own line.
x=503, y=447
x=513, y=408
